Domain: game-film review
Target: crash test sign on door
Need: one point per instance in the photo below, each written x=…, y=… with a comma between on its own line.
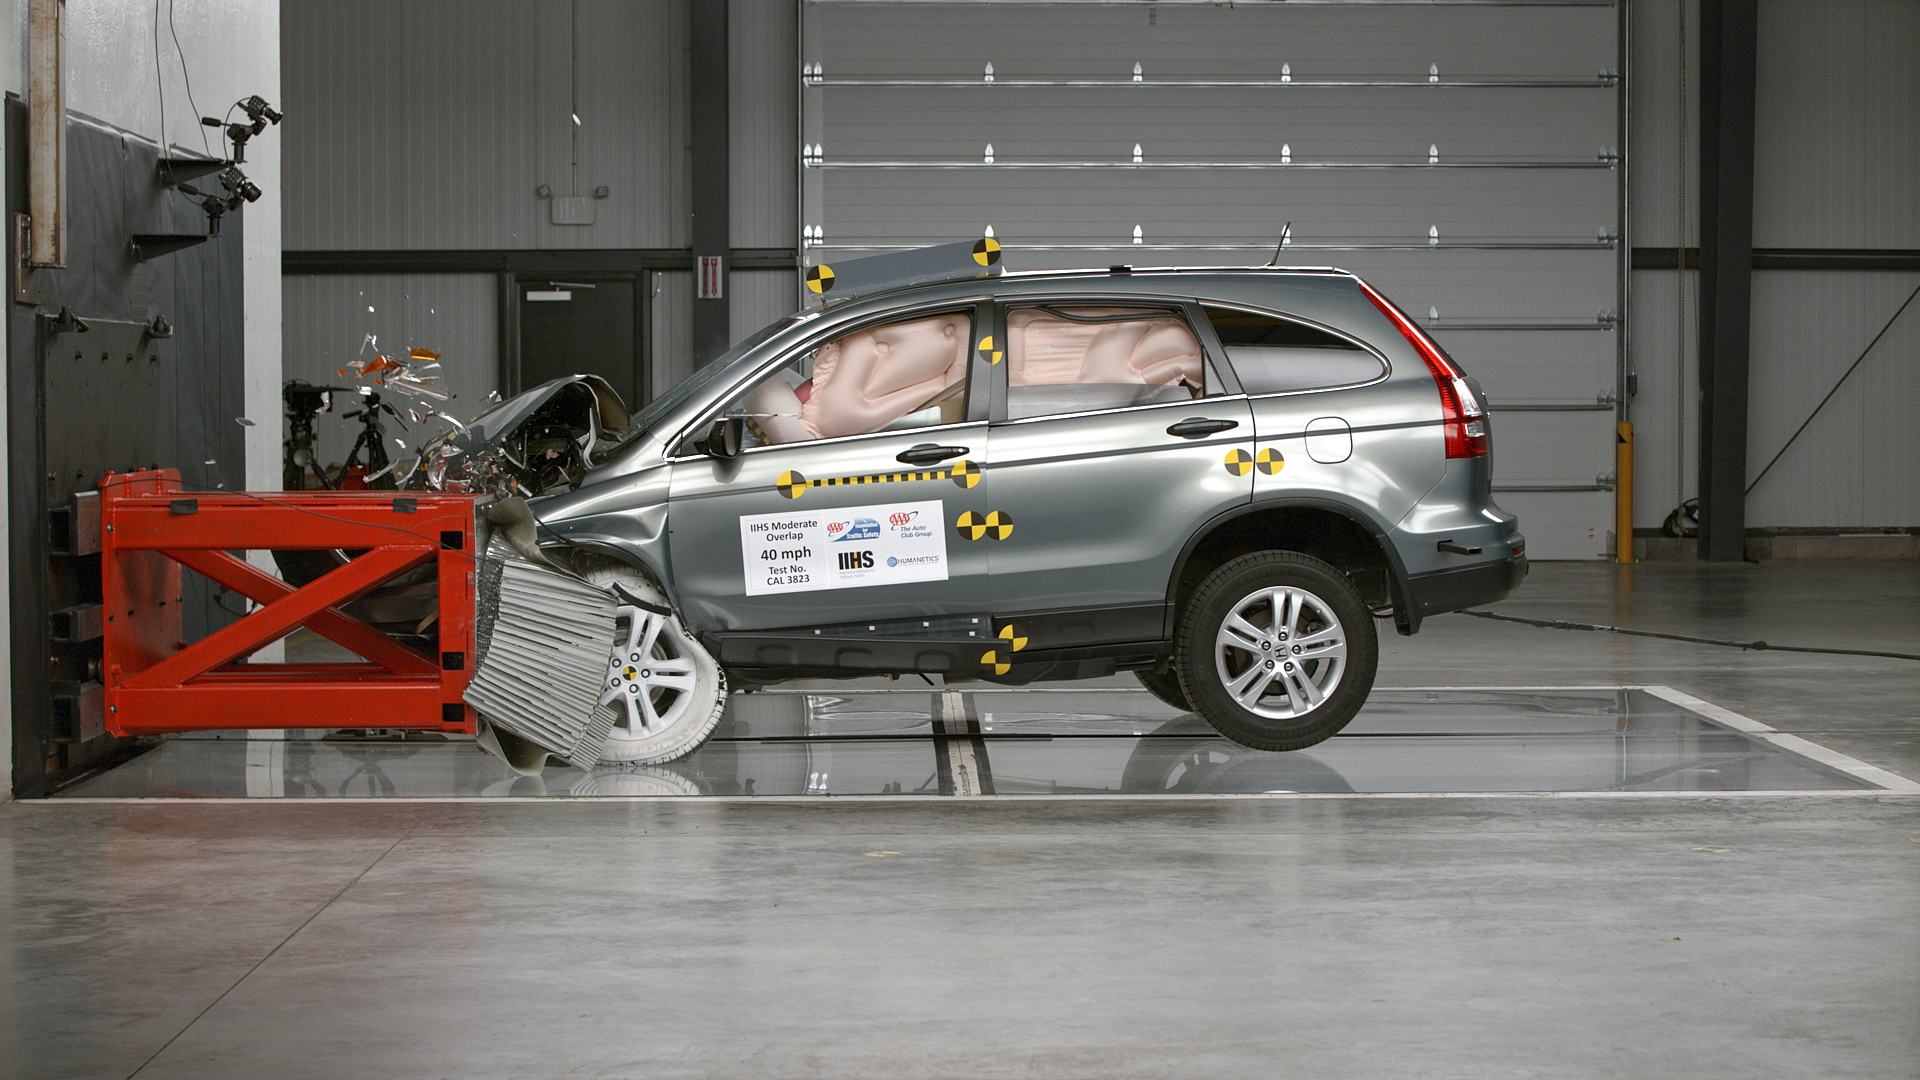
x=844, y=548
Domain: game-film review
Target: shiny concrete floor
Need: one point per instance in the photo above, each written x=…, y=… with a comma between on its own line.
x=1044, y=742
x=1677, y=933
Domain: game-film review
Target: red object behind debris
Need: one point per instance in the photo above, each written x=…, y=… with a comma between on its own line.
x=156, y=683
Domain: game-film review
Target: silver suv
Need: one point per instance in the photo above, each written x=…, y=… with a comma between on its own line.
x=1214, y=478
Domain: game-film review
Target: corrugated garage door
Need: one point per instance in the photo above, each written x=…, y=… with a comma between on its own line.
x=1463, y=156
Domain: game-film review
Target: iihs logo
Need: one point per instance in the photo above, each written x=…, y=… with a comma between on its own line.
x=856, y=560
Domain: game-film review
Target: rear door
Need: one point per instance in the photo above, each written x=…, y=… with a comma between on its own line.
x=1114, y=437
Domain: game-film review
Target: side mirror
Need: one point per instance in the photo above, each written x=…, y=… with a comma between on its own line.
x=725, y=438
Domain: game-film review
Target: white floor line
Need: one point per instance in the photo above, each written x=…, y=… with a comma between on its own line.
x=1795, y=744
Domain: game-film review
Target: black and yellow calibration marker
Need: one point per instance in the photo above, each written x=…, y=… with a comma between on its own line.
x=1266, y=459
x=987, y=350
x=1000, y=662
x=986, y=251
x=819, y=278
x=997, y=524
x=963, y=473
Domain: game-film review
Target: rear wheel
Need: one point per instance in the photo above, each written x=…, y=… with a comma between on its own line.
x=1277, y=650
x=666, y=692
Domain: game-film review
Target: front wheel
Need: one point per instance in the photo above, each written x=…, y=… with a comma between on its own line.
x=666, y=692
x=1277, y=650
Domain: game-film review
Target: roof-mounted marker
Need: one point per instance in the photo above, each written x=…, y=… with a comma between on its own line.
x=967, y=260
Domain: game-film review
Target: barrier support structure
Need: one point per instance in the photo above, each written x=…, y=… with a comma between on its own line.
x=155, y=683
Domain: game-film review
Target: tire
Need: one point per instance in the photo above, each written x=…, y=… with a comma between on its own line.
x=1229, y=646
x=666, y=691
x=1165, y=686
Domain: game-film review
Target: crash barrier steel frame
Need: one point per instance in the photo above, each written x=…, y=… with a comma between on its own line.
x=154, y=682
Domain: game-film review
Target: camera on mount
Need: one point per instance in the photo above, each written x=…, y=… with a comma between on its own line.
x=238, y=185
x=259, y=115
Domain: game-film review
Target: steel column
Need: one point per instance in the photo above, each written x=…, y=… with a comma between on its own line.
x=1726, y=270
x=712, y=176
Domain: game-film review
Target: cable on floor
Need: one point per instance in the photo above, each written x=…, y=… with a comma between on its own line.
x=1559, y=624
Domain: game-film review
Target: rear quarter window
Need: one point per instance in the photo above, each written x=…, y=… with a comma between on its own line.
x=1274, y=355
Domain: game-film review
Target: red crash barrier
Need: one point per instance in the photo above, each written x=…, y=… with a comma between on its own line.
x=154, y=682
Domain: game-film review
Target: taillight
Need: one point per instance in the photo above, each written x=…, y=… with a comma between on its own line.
x=1465, y=418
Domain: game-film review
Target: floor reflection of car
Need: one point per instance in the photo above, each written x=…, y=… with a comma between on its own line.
x=1213, y=479
x=1186, y=757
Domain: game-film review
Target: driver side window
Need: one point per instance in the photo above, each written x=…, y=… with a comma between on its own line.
x=890, y=377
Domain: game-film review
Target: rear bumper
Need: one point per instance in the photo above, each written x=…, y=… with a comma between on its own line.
x=1450, y=590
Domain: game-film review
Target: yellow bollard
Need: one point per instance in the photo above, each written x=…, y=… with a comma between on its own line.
x=1623, y=493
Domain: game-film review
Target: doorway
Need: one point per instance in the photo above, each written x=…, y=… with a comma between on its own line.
x=576, y=324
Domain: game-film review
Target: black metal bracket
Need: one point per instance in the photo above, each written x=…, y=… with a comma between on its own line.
x=147, y=246
x=176, y=171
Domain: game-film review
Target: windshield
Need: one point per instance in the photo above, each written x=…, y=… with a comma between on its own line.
x=659, y=407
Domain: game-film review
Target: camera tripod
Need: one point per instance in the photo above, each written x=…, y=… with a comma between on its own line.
x=369, y=453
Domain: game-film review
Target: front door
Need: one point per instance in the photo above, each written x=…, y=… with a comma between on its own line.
x=1114, y=439
x=863, y=456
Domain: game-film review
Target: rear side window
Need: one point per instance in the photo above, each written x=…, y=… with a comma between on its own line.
x=1274, y=355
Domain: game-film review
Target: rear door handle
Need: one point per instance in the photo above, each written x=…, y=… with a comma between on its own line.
x=1198, y=426
x=927, y=454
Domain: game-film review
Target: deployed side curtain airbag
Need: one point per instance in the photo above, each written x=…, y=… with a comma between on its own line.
x=1046, y=349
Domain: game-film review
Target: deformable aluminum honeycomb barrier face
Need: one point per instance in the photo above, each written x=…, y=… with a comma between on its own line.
x=933, y=743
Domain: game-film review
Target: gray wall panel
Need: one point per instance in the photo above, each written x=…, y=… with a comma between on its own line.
x=1042, y=206
x=760, y=297
x=672, y=313
x=1837, y=145
x=1655, y=120
x=430, y=124
x=1320, y=41
x=1666, y=451
x=1202, y=124
x=328, y=318
x=1855, y=463
x=763, y=99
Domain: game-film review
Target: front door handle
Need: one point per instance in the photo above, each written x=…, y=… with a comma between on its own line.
x=1198, y=426
x=927, y=454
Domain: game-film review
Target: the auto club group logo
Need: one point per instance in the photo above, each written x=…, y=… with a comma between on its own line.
x=903, y=517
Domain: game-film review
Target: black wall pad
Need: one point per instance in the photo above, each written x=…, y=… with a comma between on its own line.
x=72, y=415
